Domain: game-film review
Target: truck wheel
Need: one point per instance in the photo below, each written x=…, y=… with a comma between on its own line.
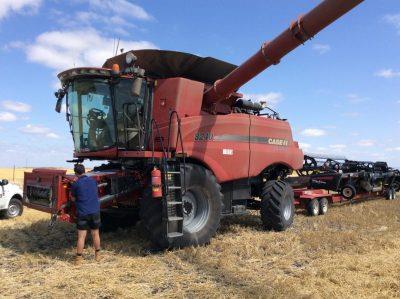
x=396, y=186
x=15, y=208
x=323, y=206
x=348, y=192
x=313, y=207
x=391, y=194
x=202, y=205
x=277, y=205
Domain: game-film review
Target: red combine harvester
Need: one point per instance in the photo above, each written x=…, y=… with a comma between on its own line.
x=183, y=147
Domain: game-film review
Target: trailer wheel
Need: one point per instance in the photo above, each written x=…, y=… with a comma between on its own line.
x=277, y=205
x=391, y=194
x=323, y=206
x=15, y=208
x=348, y=192
x=202, y=206
x=313, y=207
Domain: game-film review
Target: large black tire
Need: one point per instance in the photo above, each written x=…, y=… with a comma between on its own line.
x=277, y=205
x=15, y=208
x=313, y=207
x=391, y=194
x=323, y=206
x=202, y=210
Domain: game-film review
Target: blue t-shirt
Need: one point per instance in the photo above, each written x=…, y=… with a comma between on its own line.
x=86, y=198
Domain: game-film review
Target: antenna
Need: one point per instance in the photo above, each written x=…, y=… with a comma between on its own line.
x=116, y=49
x=113, y=50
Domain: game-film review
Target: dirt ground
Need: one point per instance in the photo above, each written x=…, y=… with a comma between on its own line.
x=353, y=251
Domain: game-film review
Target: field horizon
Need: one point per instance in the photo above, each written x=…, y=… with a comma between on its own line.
x=352, y=251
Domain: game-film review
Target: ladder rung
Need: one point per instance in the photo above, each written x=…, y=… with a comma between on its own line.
x=174, y=187
x=174, y=203
x=175, y=218
x=173, y=172
x=174, y=235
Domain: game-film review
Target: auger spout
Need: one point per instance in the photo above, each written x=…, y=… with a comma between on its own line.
x=271, y=52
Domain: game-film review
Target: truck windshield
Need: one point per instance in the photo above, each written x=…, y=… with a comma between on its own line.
x=91, y=114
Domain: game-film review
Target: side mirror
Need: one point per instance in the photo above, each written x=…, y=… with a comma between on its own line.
x=4, y=182
x=59, y=105
x=137, y=87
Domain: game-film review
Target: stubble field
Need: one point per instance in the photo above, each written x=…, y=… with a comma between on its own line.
x=353, y=251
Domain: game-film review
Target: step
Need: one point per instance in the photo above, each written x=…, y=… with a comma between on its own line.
x=174, y=187
x=175, y=218
x=174, y=235
x=174, y=203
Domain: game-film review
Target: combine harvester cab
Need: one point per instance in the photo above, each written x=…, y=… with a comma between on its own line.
x=183, y=145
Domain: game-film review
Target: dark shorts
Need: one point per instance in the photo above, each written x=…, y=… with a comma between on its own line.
x=91, y=221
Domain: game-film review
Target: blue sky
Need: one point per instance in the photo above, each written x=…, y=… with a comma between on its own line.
x=340, y=91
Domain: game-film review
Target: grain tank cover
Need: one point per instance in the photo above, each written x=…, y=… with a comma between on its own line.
x=161, y=64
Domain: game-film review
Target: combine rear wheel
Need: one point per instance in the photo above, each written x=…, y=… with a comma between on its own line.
x=277, y=205
x=201, y=206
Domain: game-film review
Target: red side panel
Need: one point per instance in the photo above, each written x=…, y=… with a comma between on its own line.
x=179, y=94
x=227, y=143
x=220, y=142
x=277, y=146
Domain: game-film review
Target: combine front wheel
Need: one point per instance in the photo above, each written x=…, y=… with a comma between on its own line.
x=201, y=206
x=277, y=205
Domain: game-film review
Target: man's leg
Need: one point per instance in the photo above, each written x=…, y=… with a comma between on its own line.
x=94, y=230
x=96, y=238
x=81, y=241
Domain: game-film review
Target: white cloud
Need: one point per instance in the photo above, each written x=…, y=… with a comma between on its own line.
x=393, y=20
x=108, y=22
x=7, y=116
x=321, y=48
x=366, y=142
x=52, y=135
x=8, y=6
x=16, y=106
x=351, y=114
x=39, y=130
x=121, y=7
x=387, y=73
x=271, y=98
x=355, y=98
x=313, y=132
x=61, y=50
x=392, y=149
x=304, y=145
x=338, y=146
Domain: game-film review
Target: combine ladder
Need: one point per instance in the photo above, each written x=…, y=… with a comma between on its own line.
x=173, y=205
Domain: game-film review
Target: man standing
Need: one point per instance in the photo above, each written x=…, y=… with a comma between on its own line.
x=84, y=193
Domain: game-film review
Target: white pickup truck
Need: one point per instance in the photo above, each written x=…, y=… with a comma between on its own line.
x=10, y=200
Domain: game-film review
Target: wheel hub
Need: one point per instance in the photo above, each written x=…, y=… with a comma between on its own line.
x=13, y=210
x=195, y=210
x=347, y=192
x=287, y=212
